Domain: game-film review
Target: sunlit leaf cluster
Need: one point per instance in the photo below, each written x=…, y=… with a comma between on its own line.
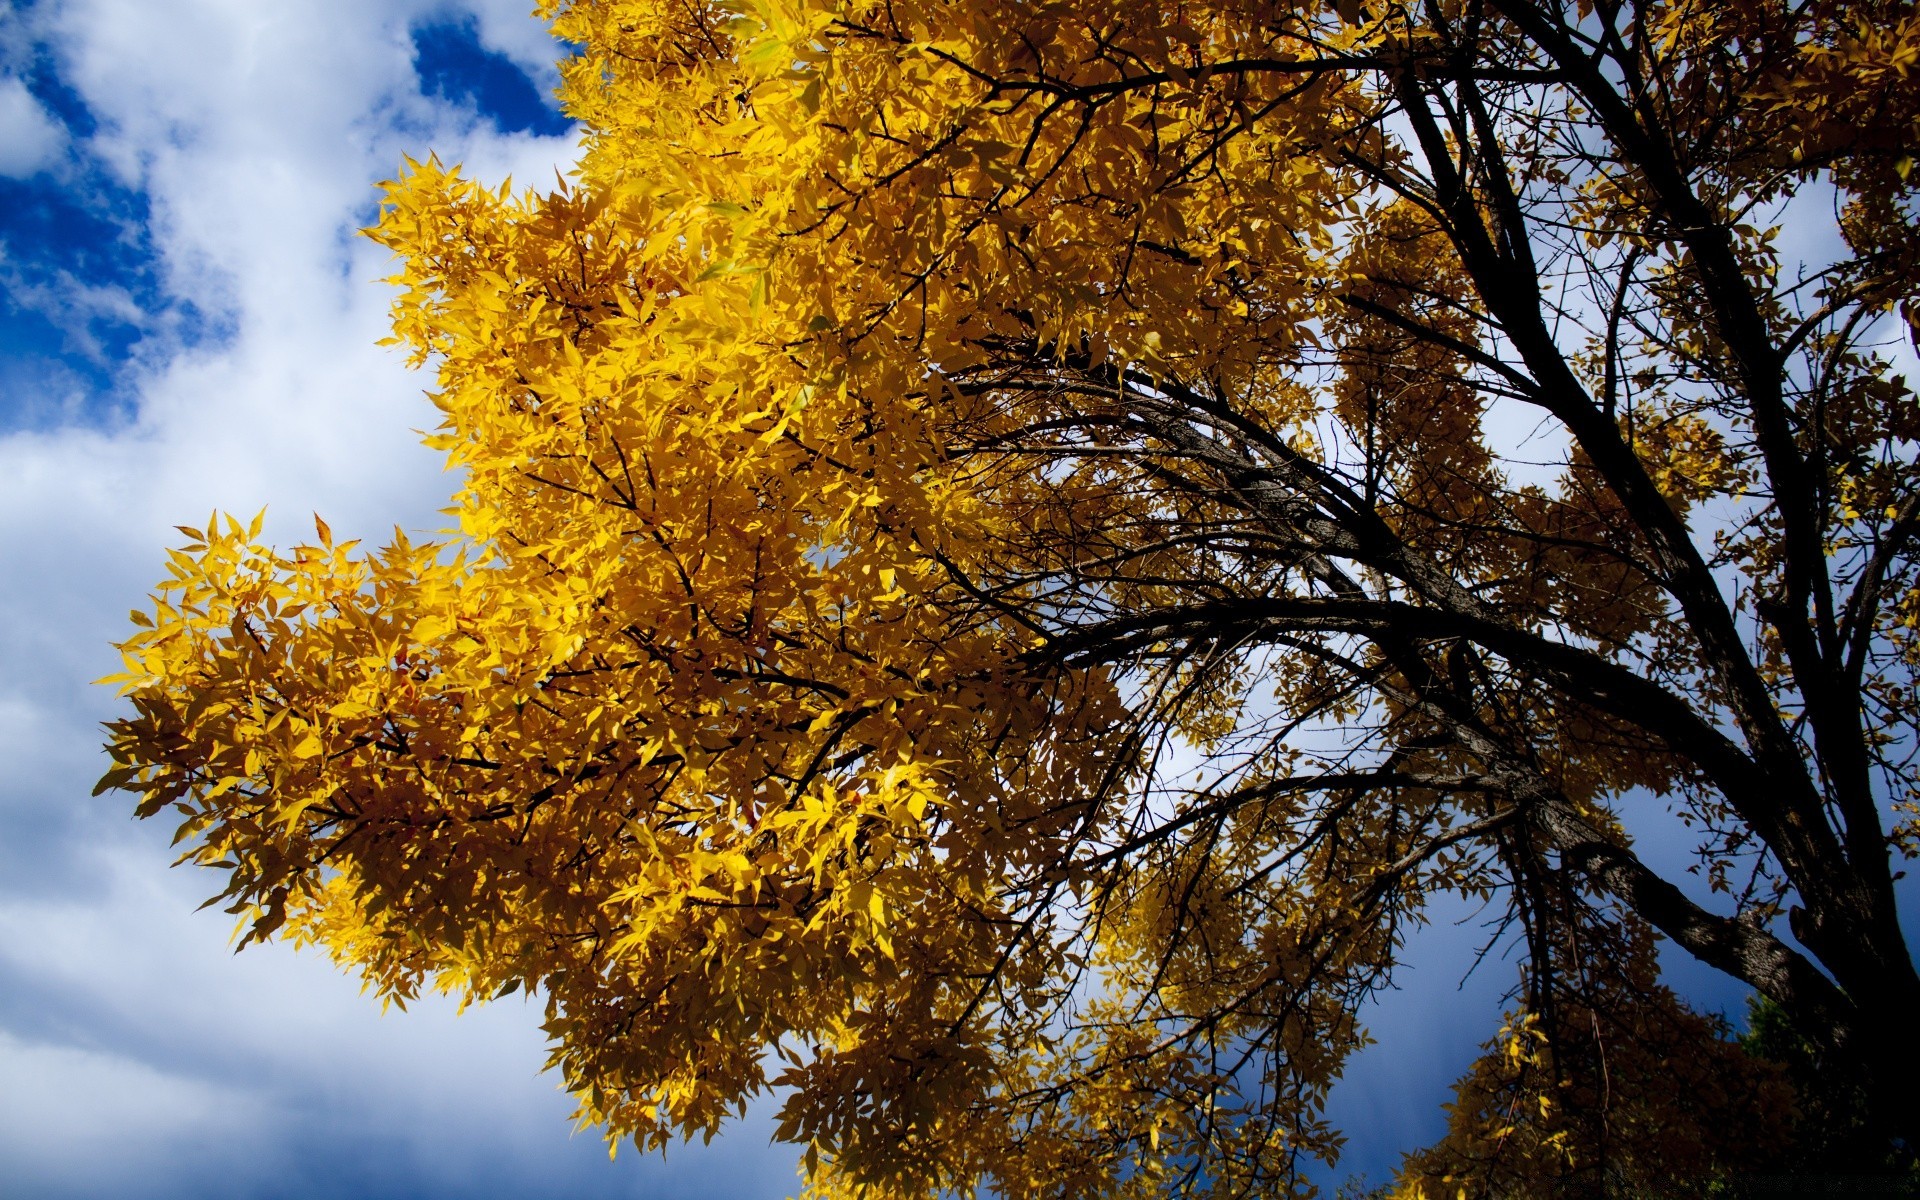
x=1003, y=553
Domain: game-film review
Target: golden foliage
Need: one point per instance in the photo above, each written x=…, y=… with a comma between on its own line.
x=993, y=570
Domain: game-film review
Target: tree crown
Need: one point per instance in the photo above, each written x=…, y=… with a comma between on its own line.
x=1004, y=551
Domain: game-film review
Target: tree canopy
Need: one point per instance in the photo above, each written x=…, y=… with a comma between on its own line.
x=1006, y=552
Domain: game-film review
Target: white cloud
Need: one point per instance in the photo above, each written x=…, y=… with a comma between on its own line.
x=30, y=140
x=125, y=1110
x=504, y=28
x=153, y=1059
x=141, y=1057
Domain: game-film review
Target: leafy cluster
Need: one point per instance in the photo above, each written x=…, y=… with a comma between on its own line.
x=1005, y=551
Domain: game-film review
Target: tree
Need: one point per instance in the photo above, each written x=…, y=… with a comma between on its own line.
x=1605, y=1084
x=1006, y=551
x=1834, y=1127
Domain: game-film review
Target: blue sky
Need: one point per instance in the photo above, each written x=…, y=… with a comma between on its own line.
x=188, y=322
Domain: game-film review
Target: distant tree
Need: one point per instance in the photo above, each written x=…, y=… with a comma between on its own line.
x=1006, y=551
x=1835, y=1131
x=1605, y=1084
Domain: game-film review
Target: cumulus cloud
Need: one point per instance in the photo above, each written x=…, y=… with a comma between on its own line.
x=142, y=1058
x=30, y=139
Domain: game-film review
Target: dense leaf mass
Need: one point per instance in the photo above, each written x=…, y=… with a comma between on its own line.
x=1005, y=551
